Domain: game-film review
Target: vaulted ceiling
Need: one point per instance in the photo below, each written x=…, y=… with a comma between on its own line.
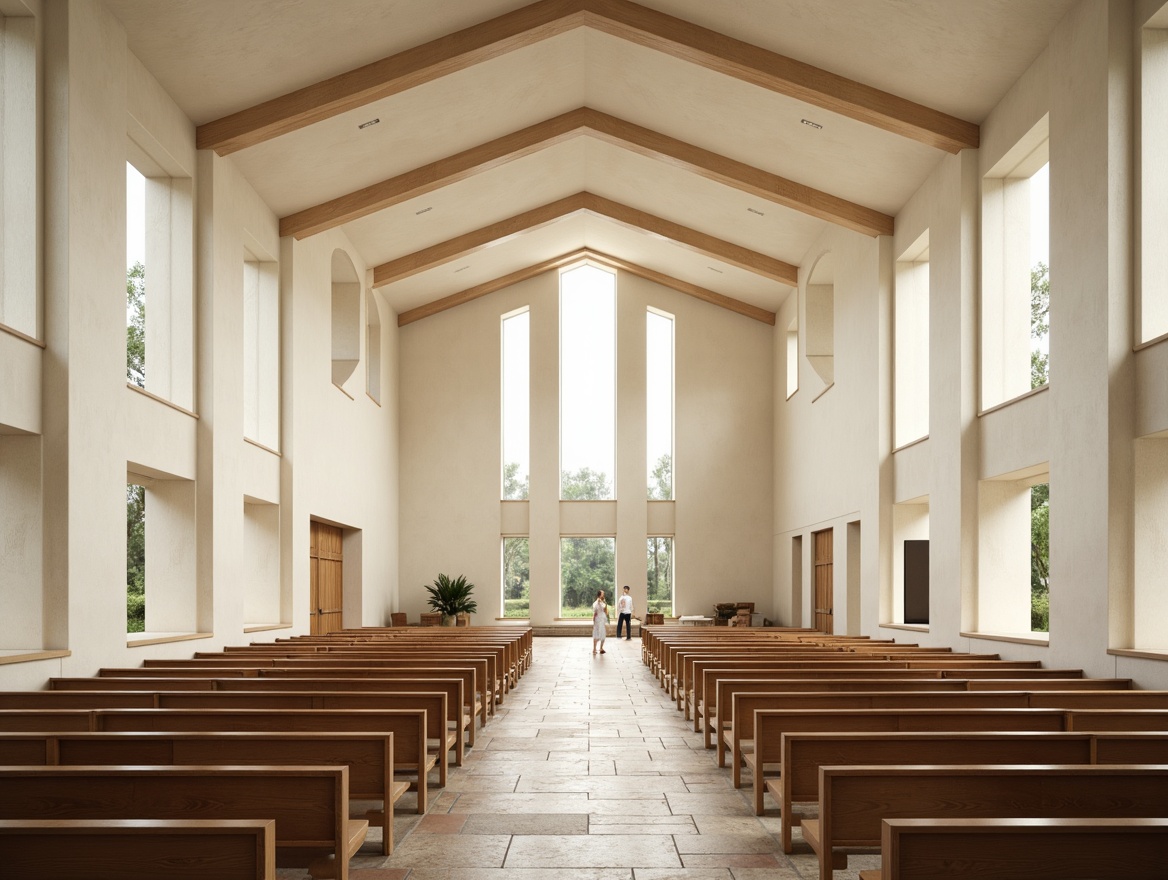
x=701, y=143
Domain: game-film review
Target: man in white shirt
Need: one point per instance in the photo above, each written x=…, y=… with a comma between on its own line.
x=624, y=607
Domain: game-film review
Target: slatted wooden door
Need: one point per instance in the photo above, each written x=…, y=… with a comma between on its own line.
x=824, y=606
x=325, y=552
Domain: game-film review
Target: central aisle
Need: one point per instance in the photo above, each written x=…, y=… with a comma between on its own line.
x=588, y=772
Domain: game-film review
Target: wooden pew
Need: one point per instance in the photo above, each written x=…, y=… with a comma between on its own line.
x=854, y=800
x=359, y=679
x=251, y=664
x=433, y=705
x=369, y=757
x=495, y=679
x=802, y=754
x=1038, y=849
x=407, y=726
x=138, y=849
x=743, y=736
x=724, y=689
x=310, y=805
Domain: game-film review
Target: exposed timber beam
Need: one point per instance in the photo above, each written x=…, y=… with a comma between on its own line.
x=537, y=218
x=472, y=293
x=621, y=18
x=586, y=121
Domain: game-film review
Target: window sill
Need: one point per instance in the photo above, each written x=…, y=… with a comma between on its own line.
x=265, y=627
x=515, y=619
x=29, y=655
x=910, y=627
x=1040, y=639
x=139, y=640
x=1142, y=654
x=1005, y=403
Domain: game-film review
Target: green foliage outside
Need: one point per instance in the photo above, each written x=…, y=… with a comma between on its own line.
x=136, y=325
x=661, y=479
x=1040, y=558
x=586, y=566
x=585, y=485
x=135, y=559
x=136, y=495
x=1039, y=323
x=514, y=489
x=516, y=577
x=660, y=576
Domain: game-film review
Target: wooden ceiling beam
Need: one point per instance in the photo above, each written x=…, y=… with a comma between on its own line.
x=586, y=121
x=480, y=290
x=620, y=18
x=537, y=218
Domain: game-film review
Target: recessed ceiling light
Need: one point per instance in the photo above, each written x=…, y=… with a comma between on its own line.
x=712, y=269
x=423, y=211
x=756, y=211
x=462, y=269
x=812, y=124
x=369, y=123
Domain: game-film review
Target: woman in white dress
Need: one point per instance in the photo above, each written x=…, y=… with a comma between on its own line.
x=599, y=622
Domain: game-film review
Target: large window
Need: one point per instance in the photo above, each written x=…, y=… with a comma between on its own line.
x=19, y=227
x=516, y=577
x=587, y=384
x=135, y=558
x=1153, y=177
x=911, y=343
x=160, y=265
x=659, y=404
x=516, y=381
x=659, y=572
x=261, y=349
x=1014, y=554
x=1015, y=291
x=587, y=565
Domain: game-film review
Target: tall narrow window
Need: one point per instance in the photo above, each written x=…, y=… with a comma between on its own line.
x=261, y=350
x=587, y=565
x=819, y=306
x=1013, y=594
x=1015, y=290
x=792, y=357
x=1040, y=557
x=1153, y=177
x=659, y=404
x=659, y=571
x=346, y=318
x=135, y=558
x=135, y=276
x=18, y=175
x=587, y=384
x=516, y=577
x=911, y=343
x=372, y=347
x=516, y=382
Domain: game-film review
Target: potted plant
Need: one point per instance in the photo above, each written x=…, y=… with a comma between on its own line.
x=451, y=597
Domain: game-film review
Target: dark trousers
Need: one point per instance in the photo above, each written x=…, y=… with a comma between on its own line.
x=627, y=620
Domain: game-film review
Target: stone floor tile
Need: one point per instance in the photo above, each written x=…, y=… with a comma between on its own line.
x=450, y=851
x=758, y=842
x=441, y=823
x=682, y=874
x=709, y=803
x=592, y=851
x=732, y=860
x=527, y=823
x=379, y=874
x=427, y=873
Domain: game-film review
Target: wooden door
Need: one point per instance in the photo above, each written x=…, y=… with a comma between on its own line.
x=325, y=563
x=824, y=605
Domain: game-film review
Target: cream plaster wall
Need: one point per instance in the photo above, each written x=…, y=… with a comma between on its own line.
x=451, y=513
x=338, y=454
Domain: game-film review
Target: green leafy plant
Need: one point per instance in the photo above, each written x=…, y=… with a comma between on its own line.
x=452, y=596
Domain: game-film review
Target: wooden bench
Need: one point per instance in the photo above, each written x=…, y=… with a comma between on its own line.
x=439, y=740
x=310, y=805
x=742, y=737
x=1037, y=849
x=138, y=849
x=800, y=755
x=368, y=756
x=251, y=666
x=854, y=800
x=456, y=709
x=360, y=678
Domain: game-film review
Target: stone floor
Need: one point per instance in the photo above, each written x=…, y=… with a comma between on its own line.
x=588, y=771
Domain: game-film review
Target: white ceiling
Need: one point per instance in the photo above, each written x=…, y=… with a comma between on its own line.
x=217, y=57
